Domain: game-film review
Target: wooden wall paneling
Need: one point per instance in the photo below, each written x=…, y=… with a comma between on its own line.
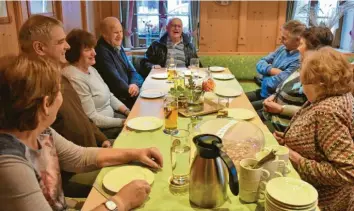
x=71, y=14
x=83, y=14
x=242, y=30
x=97, y=16
x=90, y=17
x=116, y=9
x=281, y=20
x=58, y=10
x=220, y=28
x=21, y=13
x=103, y=9
x=203, y=26
x=8, y=34
x=261, y=26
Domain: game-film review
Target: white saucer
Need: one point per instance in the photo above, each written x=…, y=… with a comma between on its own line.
x=159, y=76
x=227, y=92
x=223, y=76
x=117, y=178
x=145, y=123
x=151, y=94
x=240, y=113
x=216, y=69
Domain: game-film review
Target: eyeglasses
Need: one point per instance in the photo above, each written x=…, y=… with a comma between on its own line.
x=176, y=26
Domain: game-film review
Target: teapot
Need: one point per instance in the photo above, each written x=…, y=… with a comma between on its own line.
x=208, y=174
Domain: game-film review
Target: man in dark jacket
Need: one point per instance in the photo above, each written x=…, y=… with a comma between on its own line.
x=174, y=44
x=113, y=65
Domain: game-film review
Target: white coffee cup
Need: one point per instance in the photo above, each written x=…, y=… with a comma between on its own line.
x=250, y=190
x=282, y=152
x=276, y=168
x=251, y=185
x=250, y=174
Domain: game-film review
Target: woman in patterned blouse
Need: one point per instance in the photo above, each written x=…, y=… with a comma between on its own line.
x=320, y=135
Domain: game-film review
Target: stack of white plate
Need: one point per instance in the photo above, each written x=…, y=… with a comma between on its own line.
x=285, y=194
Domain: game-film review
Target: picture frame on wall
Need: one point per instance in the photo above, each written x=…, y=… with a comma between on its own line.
x=4, y=13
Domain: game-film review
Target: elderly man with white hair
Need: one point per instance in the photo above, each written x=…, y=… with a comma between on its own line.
x=174, y=42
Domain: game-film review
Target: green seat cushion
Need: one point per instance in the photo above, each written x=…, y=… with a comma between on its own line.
x=242, y=66
x=351, y=59
x=249, y=86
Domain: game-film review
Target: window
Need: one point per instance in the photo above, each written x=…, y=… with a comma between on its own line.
x=149, y=18
x=4, y=17
x=43, y=7
x=334, y=14
x=321, y=12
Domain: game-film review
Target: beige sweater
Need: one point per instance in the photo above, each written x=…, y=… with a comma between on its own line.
x=28, y=183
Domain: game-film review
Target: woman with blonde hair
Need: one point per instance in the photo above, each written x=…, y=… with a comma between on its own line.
x=32, y=154
x=320, y=135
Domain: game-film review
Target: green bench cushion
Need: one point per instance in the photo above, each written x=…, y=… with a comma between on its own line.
x=351, y=59
x=249, y=86
x=242, y=66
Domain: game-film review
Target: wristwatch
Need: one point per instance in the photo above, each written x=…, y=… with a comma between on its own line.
x=111, y=205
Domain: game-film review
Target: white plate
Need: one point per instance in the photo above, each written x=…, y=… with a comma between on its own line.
x=159, y=76
x=151, y=93
x=216, y=69
x=240, y=113
x=289, y=191
x=227, y=92
x=225, y=76
x=187, y=72
x=115, y=179
x=145, y=123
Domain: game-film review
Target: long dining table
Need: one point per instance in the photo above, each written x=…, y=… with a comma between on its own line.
x=161, y=198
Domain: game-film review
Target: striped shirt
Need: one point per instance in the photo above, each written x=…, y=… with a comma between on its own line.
x=176, y=51
x=290, y=95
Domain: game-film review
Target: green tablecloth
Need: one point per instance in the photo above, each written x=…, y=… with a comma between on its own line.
x=160, y=197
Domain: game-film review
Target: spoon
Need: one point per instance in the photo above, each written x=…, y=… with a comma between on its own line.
x=265, y=159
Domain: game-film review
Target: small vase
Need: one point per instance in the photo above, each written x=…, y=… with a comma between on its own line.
x=195, y=100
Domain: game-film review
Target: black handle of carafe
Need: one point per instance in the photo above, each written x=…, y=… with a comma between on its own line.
x=233, y=179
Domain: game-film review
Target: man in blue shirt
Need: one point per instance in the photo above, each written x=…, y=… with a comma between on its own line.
x=277, y=66
x=113, y=65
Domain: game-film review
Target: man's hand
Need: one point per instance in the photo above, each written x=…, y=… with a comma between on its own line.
x=274, y=71
x=133, y=90
x=106, y=144
x=269, y=99
x=156, y=66
x=151, y=157
x=272, y=107
x=132, y=195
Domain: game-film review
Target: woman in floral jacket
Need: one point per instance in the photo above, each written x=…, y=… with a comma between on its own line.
x=320, y=134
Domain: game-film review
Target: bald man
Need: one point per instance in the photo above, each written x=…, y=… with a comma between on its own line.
x=113, y=65
x=173, y=42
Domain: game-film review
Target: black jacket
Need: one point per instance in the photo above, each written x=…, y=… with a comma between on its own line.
x=157, y=54
x=117, y=71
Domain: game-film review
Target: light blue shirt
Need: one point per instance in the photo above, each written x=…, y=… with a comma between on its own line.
x=287, y=61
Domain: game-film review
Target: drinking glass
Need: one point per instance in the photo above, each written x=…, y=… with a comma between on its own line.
x=223, y=102
x=194, y=66
x=180, y=157
x=171, y=72
x=171, y=114
x=194, y=63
